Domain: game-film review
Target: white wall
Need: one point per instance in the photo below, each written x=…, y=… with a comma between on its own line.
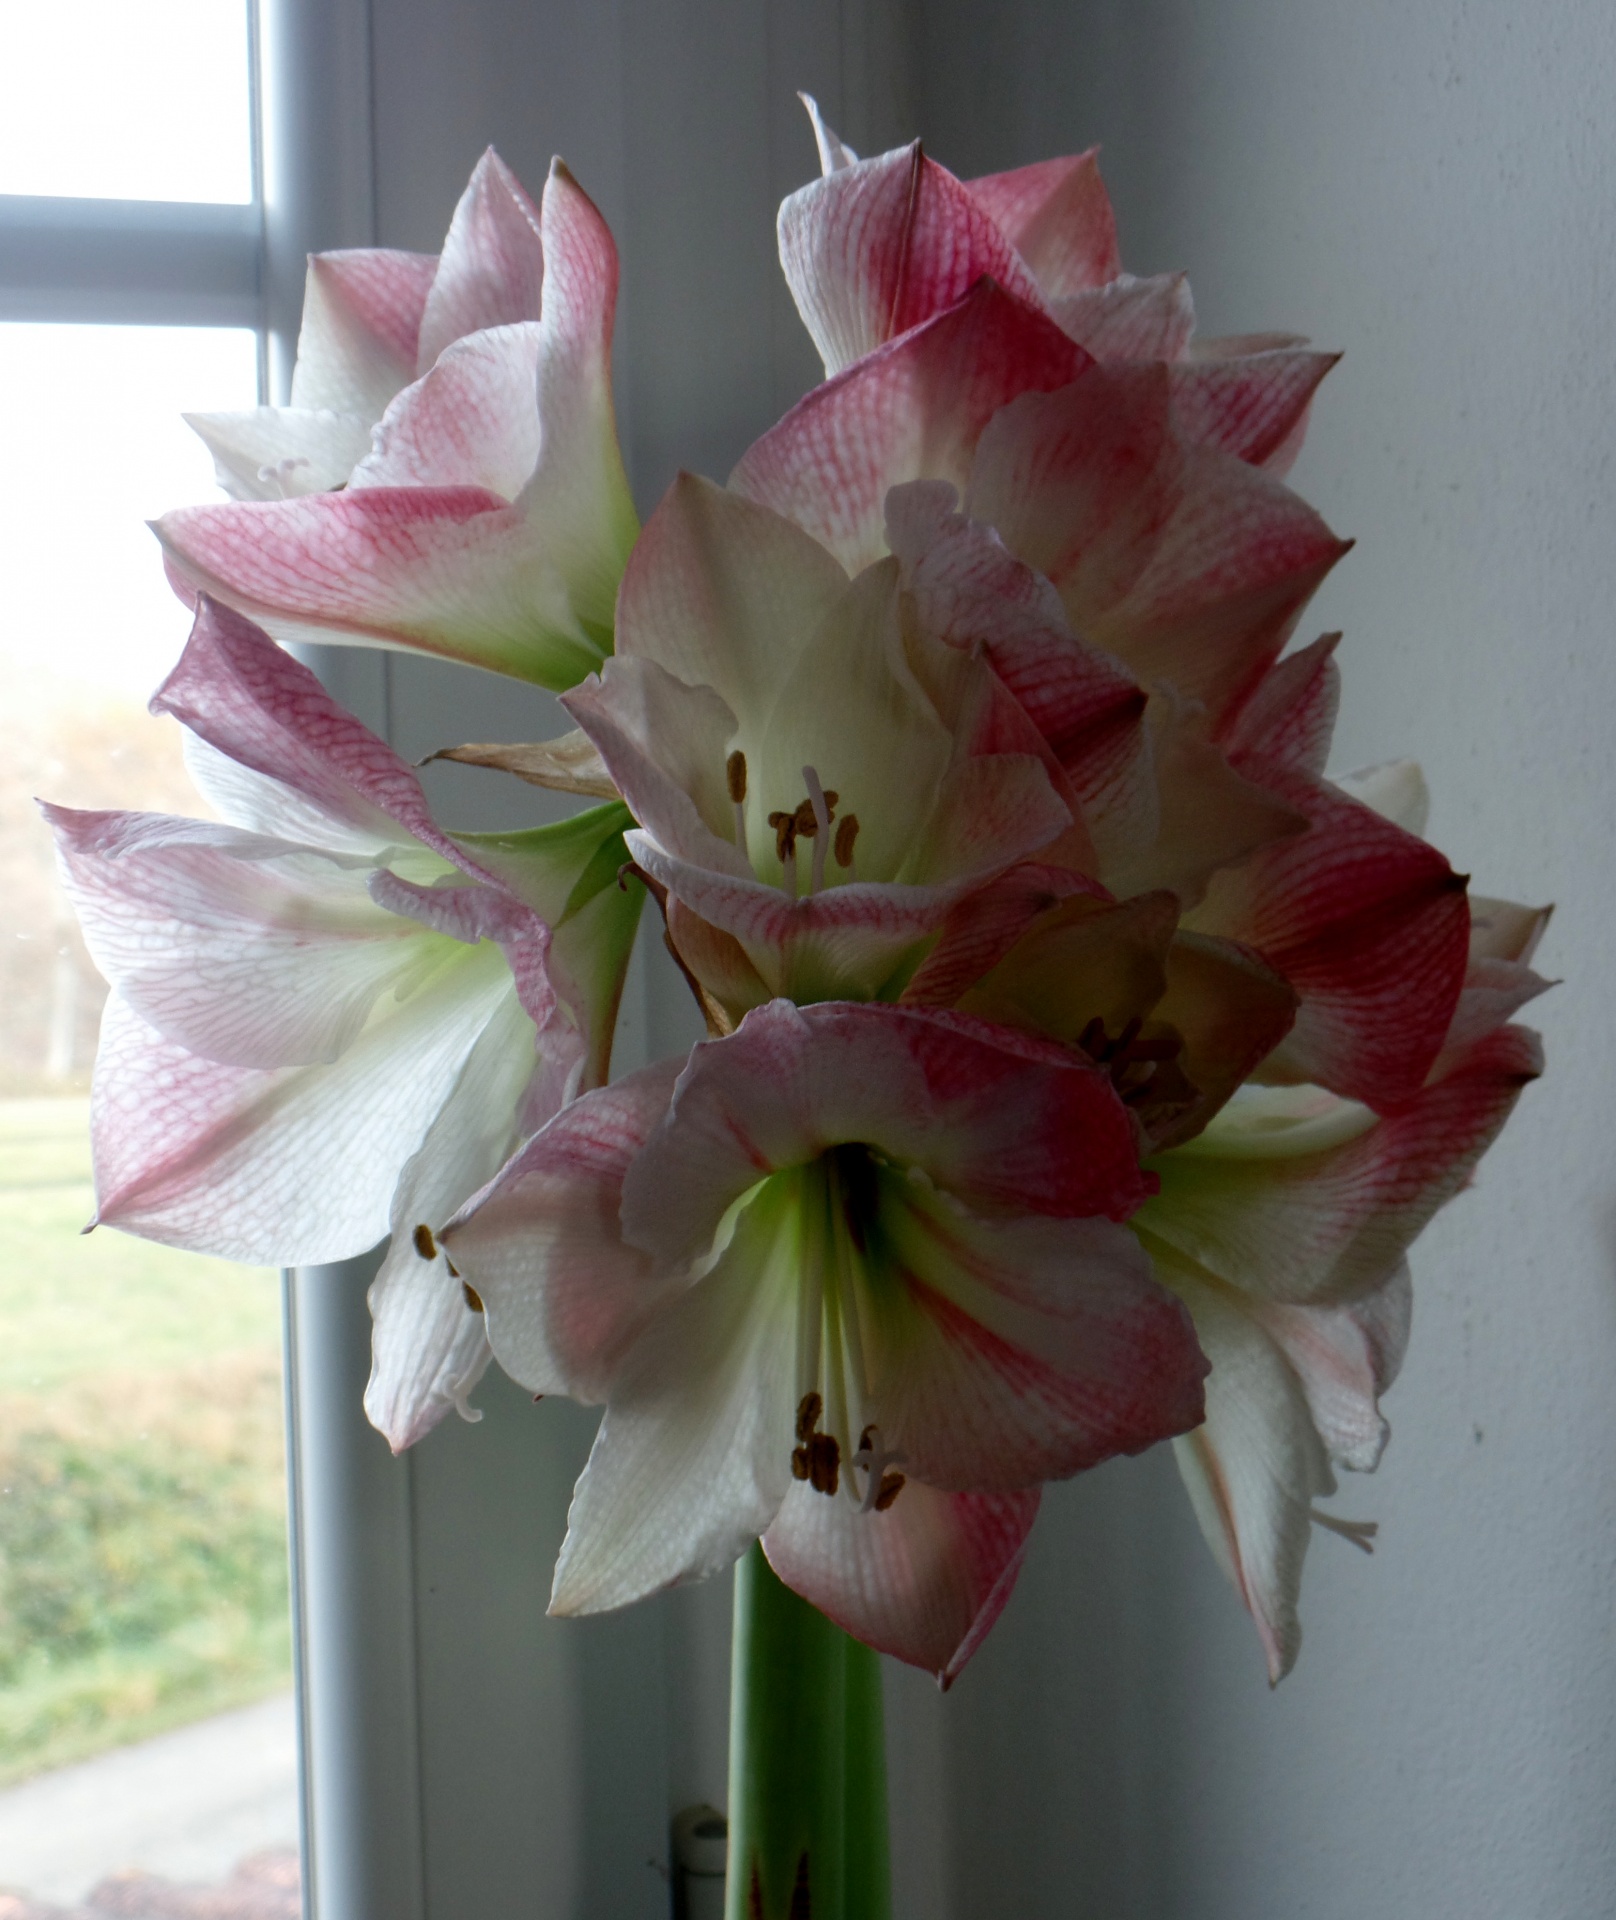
x=1431, y=187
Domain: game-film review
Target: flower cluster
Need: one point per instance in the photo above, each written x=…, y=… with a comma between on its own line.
x=1082, y=1060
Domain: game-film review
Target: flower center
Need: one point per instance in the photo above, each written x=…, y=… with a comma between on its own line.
x=811, y=820
x=841, y=1198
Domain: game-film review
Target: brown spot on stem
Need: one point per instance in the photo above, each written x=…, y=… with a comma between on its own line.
x=802, y=1900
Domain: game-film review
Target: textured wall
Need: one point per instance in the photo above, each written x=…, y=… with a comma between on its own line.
x=1433, y=189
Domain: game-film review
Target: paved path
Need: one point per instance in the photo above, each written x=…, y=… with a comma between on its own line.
x=187, y=1805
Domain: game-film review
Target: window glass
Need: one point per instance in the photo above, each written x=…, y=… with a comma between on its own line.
x=126, y=99
x=145, y=1718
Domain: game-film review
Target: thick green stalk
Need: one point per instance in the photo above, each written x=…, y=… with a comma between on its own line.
x=807, y=1767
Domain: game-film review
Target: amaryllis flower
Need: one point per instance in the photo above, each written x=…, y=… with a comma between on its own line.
x=330, y=1020
x=374, y=320
x=879, y=246
x=492, y=520
x=1283, y=1227
x=850, y=1280
x=817, y=781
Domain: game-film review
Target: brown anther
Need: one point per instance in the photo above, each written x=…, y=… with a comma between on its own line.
x=805, y=819
x=867, y=1440
x=808, y=1416
x=824, y=1462
x=423, y=1242
x=831, y=797
x=892, y=1484
x=799, y=1463
x=846, y=833
x=785, y=835
x=735, y=775
x=473, y=1297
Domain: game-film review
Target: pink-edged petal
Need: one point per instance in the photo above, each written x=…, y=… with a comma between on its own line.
x=1254, y=1469
x=988, y=1117
x=1057, y=215
x=876, y=248
x=563, y=1297
x=1368, y=924
x=846, y=942
x=665, y=743
x=983, y=927
x=1346, y=1358
x=1130, y=319
x=1327, y=1227
x=472, y=914
x=252, y=702
x=972, y=593
x=913, y=410
x=472, y=421
x=281, y=453
x=577, y=499
x=1206, y=817
x=1254, y=407
x=1188, y=564
x=723, y=593
x=452, y=571
x=287, y=1166
x=246, y=958
x=692, y=1460
x=361, y=329
x=491, y=272
x=1019, y=1350
x=428, y=1344
x=1498, y=980
x=924, y=1580
x=1290, y=718
x=1503, y=930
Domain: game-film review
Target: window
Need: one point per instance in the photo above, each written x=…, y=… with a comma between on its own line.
x=145, y=1717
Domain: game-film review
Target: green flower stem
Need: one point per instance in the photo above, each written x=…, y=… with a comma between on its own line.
x=807, y=1762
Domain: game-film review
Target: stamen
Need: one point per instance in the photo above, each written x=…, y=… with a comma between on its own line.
x=823, y=807
x=424, y=1244
x=881, y=1487
x=785, y=848
x=735, y=779
x=473, y=1297
x=279, y=472
x=847, y=830
x=817, y=1457
x=1360, y=1532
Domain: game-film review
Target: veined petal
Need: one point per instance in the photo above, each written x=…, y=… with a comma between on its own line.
x=279, y=453
x=1346, y=1358
x=491, y=272
x=282, y=1167
x=923, y=1580
x=1368, y=924
x=564, y=1297
x=1255, y=1468
x=1021, y=1350
x=242, y=957
x=692, y=1460
x=913, y=410
x=1129, y=318
x=1253, y=406
x=361, y=329
x=1290, y=717
x=987, y=1117
x=1057, y=215
x=725, y=594
x=321, y=777
x=876, y=248
x=472, y=421
x=452, y=571
x=834, y=152
x=577, y=500
x=428, y=1346
x=1328, y=1227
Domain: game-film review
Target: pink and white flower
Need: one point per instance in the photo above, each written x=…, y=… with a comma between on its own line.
x=331, y=1020
x=850, y=1280
x=375, y=320
x=491, y=521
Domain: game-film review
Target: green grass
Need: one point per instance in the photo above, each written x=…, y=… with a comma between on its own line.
x=142, y=1493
